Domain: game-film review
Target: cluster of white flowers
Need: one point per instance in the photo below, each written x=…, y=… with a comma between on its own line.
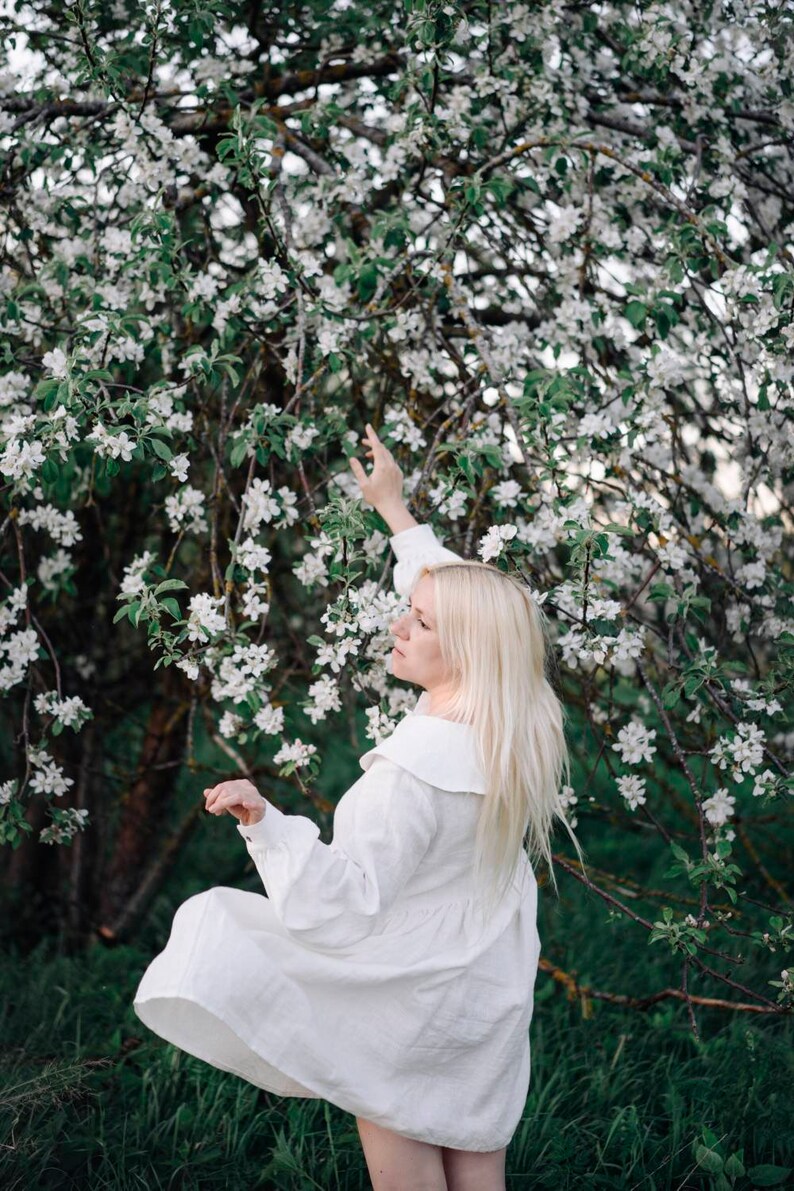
x=21, y=460
x=112, y=446
x=744, y=752
x=494, y=541
x=133, y=581
x=62, y=527
x=252, y=556
x=230, y=724
x=588, y=650
x=51, y=570
x=7, y=791
x=205, y=618
x=178, y=466
x=448, y=501
x=634, y=743
x=189, y=666
x=161, y=411
x=56, y=363
x=298, y=753
x=19, y=648
x=632, y=787
x=765, y=783
x=568, y=800
x=563, y=224
x=301, y=438
x=718, y=808
x=67, y=821
x=48, y=777
x=336, y=654
x=69, y=713
x=185, y=510
x=260, y=505
x=324, y=695
x=237, y=675
x=270, y=719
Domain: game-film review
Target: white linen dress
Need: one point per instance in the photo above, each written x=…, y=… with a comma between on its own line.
x=366, y=976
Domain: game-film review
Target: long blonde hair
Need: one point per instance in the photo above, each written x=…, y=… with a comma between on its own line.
x=494, y=641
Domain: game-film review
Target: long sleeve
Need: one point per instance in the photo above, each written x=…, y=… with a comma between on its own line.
x=329, y=895
x=414, y=548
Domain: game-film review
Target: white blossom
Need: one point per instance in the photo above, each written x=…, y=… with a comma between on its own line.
x=325, y=697
x=270, y=719
x=632, y=788
x=230, y=724
x=178, y=466
x=55, y=362
x=259, y=503
x=634, y=743
x=719, y=807
x=69, y=713
x=494, y=541
x=62, y=527
x=133, y=582
x=185, y=510
x=189, y=666
x=297, y=752
x=204, y=617
x=7, y=791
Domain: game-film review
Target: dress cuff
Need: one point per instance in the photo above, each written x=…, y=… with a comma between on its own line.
x=268, y=831
x=416, y=537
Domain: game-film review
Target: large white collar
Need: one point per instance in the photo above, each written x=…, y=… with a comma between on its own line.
x=437, y=751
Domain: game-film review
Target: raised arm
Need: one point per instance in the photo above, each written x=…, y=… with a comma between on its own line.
x=414, y=545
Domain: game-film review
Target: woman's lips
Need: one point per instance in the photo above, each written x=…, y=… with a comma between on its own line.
x=396, y=650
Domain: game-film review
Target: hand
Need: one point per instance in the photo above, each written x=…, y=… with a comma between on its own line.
x=239, y=797
x=383, y=487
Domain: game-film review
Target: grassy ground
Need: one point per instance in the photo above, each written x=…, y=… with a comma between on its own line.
x=90, y=1099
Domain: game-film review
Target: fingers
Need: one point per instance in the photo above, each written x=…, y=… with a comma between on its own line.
x=229, y=794
x=373, y=440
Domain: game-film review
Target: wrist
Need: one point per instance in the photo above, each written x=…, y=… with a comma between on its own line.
x=397, y=517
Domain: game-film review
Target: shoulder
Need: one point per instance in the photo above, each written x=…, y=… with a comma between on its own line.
x=436, y=753
x=388, y=793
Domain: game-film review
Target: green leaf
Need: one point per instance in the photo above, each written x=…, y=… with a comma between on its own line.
x=238, y=452
x=768, y=1176
x=734, y=1167
x=636, y=313
x=169, y=585
x=367, y=281
x=49, y=471
x=708, y=1159
x=161, y=449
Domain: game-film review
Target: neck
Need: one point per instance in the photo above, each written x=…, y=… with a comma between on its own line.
x=438, y=700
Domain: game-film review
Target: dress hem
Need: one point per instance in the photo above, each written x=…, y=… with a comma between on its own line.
x=340, y=1102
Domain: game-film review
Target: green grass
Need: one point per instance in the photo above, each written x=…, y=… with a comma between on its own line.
x=91, y=1099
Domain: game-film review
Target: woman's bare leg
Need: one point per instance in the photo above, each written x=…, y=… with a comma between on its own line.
x=397, y=1163
x=467, y=1170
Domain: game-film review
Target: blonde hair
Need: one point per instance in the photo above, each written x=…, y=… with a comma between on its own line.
x=494, y=642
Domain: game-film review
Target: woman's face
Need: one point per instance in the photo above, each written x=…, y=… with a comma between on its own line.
x=416, y=656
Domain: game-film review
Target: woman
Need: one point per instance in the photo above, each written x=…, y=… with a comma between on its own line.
x=391, y=972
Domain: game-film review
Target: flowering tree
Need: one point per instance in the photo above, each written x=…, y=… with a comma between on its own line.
x=546, y=249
